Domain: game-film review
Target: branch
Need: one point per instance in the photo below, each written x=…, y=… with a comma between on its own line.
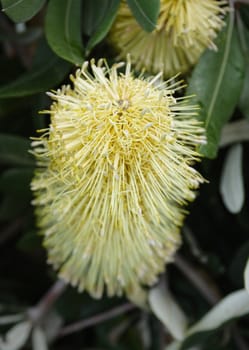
x=207, y=288
x=37, y=313
x=99, y=318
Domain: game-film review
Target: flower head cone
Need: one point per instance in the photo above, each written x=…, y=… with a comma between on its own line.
x=114, y=171
x=185, y=28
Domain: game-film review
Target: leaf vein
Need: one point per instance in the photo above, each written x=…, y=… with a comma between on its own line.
x=222, y=69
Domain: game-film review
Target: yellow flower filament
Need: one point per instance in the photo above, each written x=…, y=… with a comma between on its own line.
x=114, y=171
x=184, y=30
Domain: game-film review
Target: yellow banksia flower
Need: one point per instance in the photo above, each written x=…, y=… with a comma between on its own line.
x=114, y=170
x=185, y=28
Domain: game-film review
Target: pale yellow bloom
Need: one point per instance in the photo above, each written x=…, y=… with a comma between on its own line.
x=184, y=30
x=114, y=172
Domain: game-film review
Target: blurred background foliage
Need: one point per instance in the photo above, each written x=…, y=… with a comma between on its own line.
x=202, y=301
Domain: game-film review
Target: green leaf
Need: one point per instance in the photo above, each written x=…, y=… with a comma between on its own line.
x=48, y=71
x=146, y=12
x=63, y=29
x=21, y=10
x=244, y=13
x=216, y=82
x=98, y=19
x=244, y=100
x=14, y=151
x=16, y=182
x=244, y=39
x=94, y=12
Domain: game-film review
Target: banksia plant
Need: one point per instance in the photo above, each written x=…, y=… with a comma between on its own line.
x=114, y=173
x=185, y=28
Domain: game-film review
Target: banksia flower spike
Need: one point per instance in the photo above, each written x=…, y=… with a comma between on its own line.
x=114, y=170
x=184, y=30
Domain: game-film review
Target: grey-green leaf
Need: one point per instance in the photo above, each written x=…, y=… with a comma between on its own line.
x=63, y=29
x=232, y=306
x=16, y=337
x=52, y=325
x=236, y=131
x=7, y=319
x=216, y=82
x=105, y=14
x=231, y=186
x=167, y=310
x=21, y=10
x=146, y=12
x=246, y=276
x=176, y=345
x=48, y=71
x=39, y=341
x=14, y=151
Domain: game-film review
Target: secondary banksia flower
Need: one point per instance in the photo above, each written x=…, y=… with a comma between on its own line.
x=114, y=170
x=184, y=30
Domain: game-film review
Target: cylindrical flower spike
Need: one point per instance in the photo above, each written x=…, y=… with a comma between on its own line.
x=114, y=172
x=184, y=30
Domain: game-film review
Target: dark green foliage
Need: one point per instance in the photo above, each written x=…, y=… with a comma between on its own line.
x=62, y=27
x=105, y=14
x=48, y=70
x=22, y=10
x=55, y=37
x=145, y=12
x=217, y=82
